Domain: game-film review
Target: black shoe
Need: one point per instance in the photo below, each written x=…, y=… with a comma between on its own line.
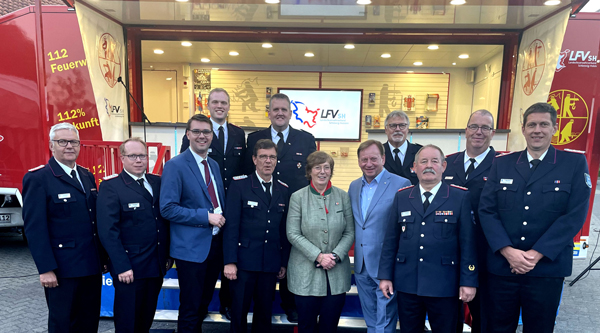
x=292, y=316
x=225, y=311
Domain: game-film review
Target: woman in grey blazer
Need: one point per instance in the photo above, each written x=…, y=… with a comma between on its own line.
x=320, y=227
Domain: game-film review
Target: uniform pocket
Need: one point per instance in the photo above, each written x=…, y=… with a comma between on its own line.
x=407, y=226
x=556, y=197
x=63, y=205
x=445, y=226
x=507, y=194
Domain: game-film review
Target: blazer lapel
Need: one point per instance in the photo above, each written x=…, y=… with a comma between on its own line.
x=275, y=192
x=522, y=165
x=460, y=167
x=440, y=197
x=409, y=159
x=356, y=202
x=389, y=159
x=231, y=138
x=381, y=187
x=290, y=141
x=155, y=189
x=415, y=199
x=545, y=166
x=58, y=171
x=134, y=185
x=484, y=165
x=194, y=168
x=258, y=189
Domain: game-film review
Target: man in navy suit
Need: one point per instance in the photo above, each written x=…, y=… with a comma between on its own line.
x=429, y=252
x=533, y=204
x=399, y=153
x=59, y=209
x=470, y=169
x=372, y=196
x=135, y=237
x=293, y=147
x=191, y=199
x=254, y=246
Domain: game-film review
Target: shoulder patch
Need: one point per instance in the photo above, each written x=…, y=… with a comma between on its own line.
x=153, y=174
x=234, y=125
x=111, y=176
x=240, y=177
x=282, y=183
x=575, y=151
x=453, y=154
x=404, y=188
x=84, y=167
x=505, y=153
x=460, y=187
x=36, y=168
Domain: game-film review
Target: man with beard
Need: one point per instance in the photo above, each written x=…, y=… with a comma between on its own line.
x=399, y=153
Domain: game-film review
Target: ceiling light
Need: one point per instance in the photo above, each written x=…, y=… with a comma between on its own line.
x=186, y=44
x=267, y=45
x=410, y=71
x=363, y=2
x=433, y=47
x=309, y=54
x=417, y=63
x=552, y=3
x=169, y=78
x=458, y=2
x=463, y=56
x=453, y=64
x=205, y=60
x=182, y=0
x=349, y=46
x=233, y=53
x=215, y=68
x=159, y=51
x=386, y=55
x=272, y=1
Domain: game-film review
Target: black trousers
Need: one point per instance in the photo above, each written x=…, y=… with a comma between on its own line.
x=225, y=291
x=197, y=285
x=412, y=309
x=249, y=286
x=288, y=300
x=327, y=309
x=536, y=297
x=74, y=306
x=135, y=304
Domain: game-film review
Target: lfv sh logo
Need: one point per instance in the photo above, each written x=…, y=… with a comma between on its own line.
x=585, y=56
x=333, y=113
x=112, y=109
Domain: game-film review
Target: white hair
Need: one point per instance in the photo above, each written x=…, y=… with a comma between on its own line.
x=62, y=126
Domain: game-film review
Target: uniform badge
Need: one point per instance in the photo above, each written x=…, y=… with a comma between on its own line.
x=252, y=204
x=337, y=203
x=449, y=177
x=209, y=150
x=134, y=205
x=444, y=212
x=282, y=205
x=506, y=181
x=238, y=147
x=406, y=213
x=299, y=154
x=412, y=170
x=557, y=182
x=588, y=180
x=64, y=195
x=299, y=165
x=403, y=228
x=485, y=179
x=471, y=267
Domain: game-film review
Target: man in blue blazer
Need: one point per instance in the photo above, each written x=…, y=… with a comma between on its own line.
x=372, y=196
x=191, y=198
x=429, y=252
x=533, y=204
x=399, y=153
x=470, y=169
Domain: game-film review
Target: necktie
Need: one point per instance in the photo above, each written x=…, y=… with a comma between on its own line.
x=280, y=143
x=426, y=202
x=211, y=188
x=397, y=158
x=141, y=182
x=74, y=176
x=267, y=190
x=470, y=168
x=534, y=163
x=221, y=138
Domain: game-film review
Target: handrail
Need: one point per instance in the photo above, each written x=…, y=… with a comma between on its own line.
x=163, y=154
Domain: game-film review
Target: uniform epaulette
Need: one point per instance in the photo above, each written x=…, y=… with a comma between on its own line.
x=36, y=168
x=240, y=177
x=575, y=151
x=507, y=153
x=84, y=167
x=404, y=188
x=282, y=183
x=111, y=176
x=460, y=187
x=452, y=154
x=235, y=125
x=153, y=174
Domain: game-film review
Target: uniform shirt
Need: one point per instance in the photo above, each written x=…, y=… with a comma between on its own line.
x=530, y=158
x=262, y=180
x=433, y=192
x=366, y=193
x=216, y=130
x=275, y=137
x=402, y=151
x=146, y=184
x=478, y=159
x=199, y=160
x=68, y=172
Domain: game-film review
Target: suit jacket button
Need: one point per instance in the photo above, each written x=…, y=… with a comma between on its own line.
x=422, y=223
x=526, y=207
x=397, y=259
x=94, y=234
x=265, y=241
x=126, y=251
x=504, y=188
x=421, y=259
x=422, y=235
x=59, y=245
x=324, y=242
x=90, y=209
x=267, y=231
x=239, y=244
x=363, y=228
x=158, y=243
x=325, y=231
x=421, y=247
x=65, y=200
x=522, y=238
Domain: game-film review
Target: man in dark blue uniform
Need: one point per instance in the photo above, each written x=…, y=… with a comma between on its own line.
x=470, y=169
x=533, y=204
x=59, y=210
x=228, y=149
x=293, y=147
x=135, y=236
x=254, y=246
x=399, y=153
x=429, y=252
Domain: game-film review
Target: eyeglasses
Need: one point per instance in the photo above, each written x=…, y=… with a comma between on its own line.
x=263, y=158
x=484, y=129
x=64, y=143
x=318, y=168
x=134, y=157
x=401, y=126
x=196, y=132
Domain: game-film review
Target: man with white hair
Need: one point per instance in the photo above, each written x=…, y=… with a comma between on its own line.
x=59, y=209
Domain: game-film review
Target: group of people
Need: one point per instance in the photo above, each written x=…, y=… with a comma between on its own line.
x=430, y=231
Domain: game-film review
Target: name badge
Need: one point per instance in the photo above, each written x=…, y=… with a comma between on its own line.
x=506, y=181
x=407, y=213
x=449, y=177
x=210, y=150
x=64, y=195
x=134, y=205
x=252, y=204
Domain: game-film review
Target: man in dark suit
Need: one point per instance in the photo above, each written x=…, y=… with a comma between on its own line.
x=135, y=237
x=59, y=210
x=470, y=169
x=293, y=147
x=399, y=153
x=533, y=204
x=429, y=250
x=191, y=199
x=228, y=149
x=254, y=246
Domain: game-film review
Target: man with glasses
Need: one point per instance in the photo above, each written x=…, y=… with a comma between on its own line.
x=293, y=147
x=192, y=200
x=59, y=209
x=135, y=237
x=470, y=169
x=254, y=246
x=399, y=153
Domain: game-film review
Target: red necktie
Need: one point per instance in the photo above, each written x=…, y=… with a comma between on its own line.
x=211, y=188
